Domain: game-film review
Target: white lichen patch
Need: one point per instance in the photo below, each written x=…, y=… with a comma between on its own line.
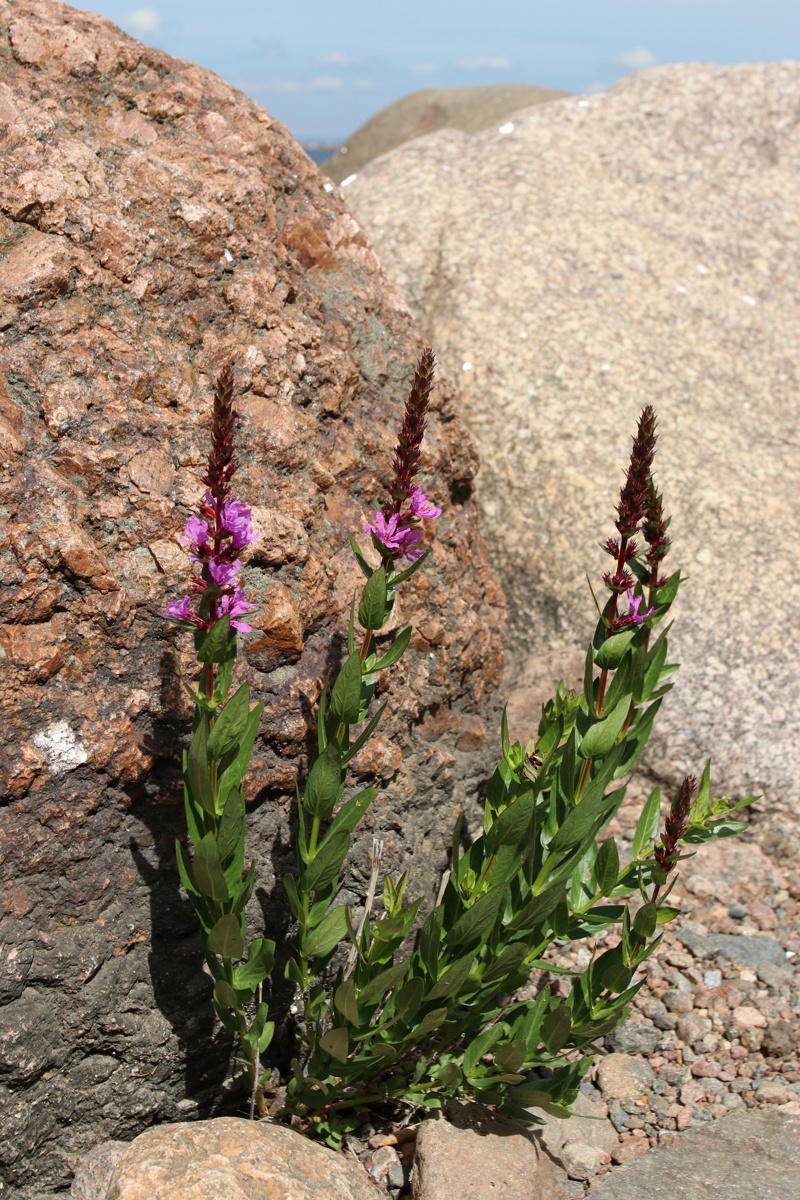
x=60, y=747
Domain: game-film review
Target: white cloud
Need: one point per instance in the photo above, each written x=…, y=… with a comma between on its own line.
x=638, y=59
x=422, y=69
x=337, y=59
x=143, y=20
x=497, y=62
x=324, y=83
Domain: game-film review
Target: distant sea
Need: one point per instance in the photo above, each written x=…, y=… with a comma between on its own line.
x=320, y=151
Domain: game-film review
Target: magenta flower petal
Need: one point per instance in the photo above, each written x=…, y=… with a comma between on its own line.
x=236, y=518
x=224, y=573
x=635, y=603
x=195, y=533
x=420, y=506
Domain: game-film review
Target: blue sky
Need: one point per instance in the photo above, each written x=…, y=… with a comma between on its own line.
x=325, y=66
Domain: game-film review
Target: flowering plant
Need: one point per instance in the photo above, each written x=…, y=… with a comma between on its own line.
x=444, y=1018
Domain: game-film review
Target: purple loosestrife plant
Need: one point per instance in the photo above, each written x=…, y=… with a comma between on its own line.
x=383, y=1023
x=214, y=766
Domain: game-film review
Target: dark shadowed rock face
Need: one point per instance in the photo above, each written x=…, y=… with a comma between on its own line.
x=154, y=223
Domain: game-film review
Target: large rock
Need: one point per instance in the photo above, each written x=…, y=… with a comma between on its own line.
x=475, y=1154
x=237, y=1159
x=426, y=111
x=740, y=1157
x=154, y=223
x=609, y=251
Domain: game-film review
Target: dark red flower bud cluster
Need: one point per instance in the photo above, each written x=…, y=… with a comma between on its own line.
x=654, y=529
x=406, y=459
x=222, y=466
x=675, y=827
x=632, y=497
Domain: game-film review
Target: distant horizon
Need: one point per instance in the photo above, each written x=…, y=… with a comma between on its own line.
x=323, y=73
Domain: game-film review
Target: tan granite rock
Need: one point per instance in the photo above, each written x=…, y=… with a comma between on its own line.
x=154, y=223
x=236, y=1159
x=426, y=111
x=609, y=251
x=474, y=1154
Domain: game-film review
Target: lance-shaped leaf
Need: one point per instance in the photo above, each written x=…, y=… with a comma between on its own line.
x=236, y=762
x=396, y=649
x=352, y=811
x=345, y=701
x=555, y=1029
x=647, y=825
x=290, y=883
x=225, y=995
x=226, y=938
x=477, y=921
x=372, y=611
x=601, y=736
x=409, y=997
x=215, y=646
x=430, y=937
x=327, y=935
x=324, y=782
x=510, y=827
x=377, y=988
x=452, y=981
x=409, y=571
x=606, y=867
x=325, y=865
x=614, y=649
x=481, y=1045
x=198, y=775
x=231, y=827
x=364, y=736
x=260, y=960
x=360, y=559
x=646, y=920
x=230, y=724
x=207, y=869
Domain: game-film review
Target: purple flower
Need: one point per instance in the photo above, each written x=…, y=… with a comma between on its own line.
x=195, y=535
x=235, y=519
x=635, y=603
x=418, y=502
x=224, y=573
x=180, y=609
x=235, y=606
x=387, y=532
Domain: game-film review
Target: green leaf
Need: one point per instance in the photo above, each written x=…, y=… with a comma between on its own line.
x=225, y=995
x=222, y=683
x=345, y=1000
x=198, y=775
x=231, y=826
x=359, y=553
x=372, y=610
x=324, y=782
x=478, y=920
x=260, y=961
x=555, y=1029
x=451, y=982
x=230, y=724
x=431, y=1020
x=207, y=869
x=647, y=825
x=352, y=811
x=326, y=863
x=396, y=580
x=234, y=770
x=511, y=1056
x=336, y=1043
x=327, y=935
x=395, y=650
x=667, y=593
x=506, y=963
x=645, y=920
x=538, y=908
x=215, y=646
x=245, y=890
x=699, y=809
x=377, y=988
x=532, y=1097
x=606, y=867
x=665, y=914
x=601, y=736
x=226, y=938
x=290, y=883
x=193, y=811
x=481, y=1045
x=430, y=939
x=364, y=736
x=345, y=701
x=614, y=649
x=512, y=824
x=408, y=999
